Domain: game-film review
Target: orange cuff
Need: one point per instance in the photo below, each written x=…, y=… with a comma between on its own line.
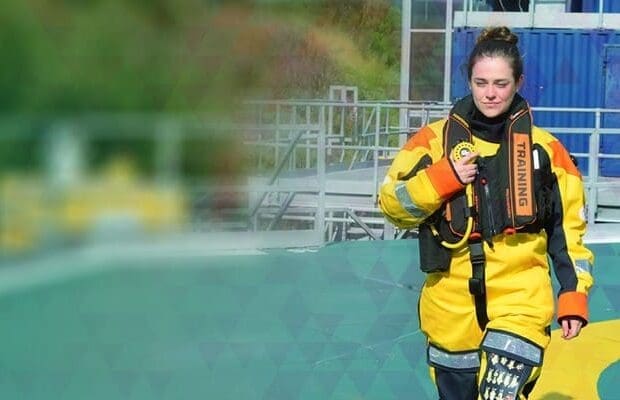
x=573, y=304
x=443, y=178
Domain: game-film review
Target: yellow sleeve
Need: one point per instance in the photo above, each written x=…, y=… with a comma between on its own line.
x=419, y=180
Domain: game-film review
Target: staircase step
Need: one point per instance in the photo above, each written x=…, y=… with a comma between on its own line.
x=608, y=214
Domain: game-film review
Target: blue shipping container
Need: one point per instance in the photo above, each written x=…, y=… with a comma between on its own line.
x=562, y=68
x=609, y=6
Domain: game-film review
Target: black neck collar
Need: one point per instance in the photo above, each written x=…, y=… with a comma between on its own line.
x=489, y=129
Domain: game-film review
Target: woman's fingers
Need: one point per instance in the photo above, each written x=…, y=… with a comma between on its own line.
x=470, y=158
x=571, y=328
x=465, y=168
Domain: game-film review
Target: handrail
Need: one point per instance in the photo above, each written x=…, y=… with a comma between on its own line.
x=276, y=173
x=371, y=128
x=377, y=127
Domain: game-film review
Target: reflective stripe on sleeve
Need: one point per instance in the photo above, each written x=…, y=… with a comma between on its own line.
x=505, y=343
x=464, y=360
x=407, y=203
x=583, y=266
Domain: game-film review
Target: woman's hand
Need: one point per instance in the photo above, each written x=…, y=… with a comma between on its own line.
x=571, y=327
x=465, y=168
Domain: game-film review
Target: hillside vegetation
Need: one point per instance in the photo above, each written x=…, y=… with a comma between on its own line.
x=72, y=56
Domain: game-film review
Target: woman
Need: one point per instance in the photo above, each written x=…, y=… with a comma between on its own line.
x=492, y=195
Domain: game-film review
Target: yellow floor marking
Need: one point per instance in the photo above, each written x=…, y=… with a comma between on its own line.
x=572, y=368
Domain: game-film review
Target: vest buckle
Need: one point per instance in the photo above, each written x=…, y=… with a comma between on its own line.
x=476, y=287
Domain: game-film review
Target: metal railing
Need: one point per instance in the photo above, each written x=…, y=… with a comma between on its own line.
x=371, y=135
x=313, y=167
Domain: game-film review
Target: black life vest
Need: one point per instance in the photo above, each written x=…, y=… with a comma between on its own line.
x=504, y=191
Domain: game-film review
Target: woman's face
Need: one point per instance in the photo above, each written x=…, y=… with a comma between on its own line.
x=492, y=85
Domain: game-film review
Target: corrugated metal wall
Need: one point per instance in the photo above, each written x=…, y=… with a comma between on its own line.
x=563, y=68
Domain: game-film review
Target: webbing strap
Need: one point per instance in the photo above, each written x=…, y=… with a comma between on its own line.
x=477, y=285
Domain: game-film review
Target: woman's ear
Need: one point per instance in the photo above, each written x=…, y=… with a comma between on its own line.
x=520, y=82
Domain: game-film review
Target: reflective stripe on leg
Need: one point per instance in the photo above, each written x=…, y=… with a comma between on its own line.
x=457, y=361
x=510, y=344
x=455, y=373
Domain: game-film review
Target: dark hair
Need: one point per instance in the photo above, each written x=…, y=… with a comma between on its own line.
x=497, y=42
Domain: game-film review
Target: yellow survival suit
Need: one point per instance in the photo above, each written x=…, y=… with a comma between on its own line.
x=486, y=306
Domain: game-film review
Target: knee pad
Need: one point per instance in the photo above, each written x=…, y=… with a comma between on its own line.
x=508, y=363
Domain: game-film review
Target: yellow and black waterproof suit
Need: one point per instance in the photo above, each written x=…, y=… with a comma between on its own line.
x=487, y=326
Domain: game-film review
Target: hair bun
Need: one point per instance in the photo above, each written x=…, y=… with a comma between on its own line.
x=497, y=33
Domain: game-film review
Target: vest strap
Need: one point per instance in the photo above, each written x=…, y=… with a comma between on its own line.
x=477, y=286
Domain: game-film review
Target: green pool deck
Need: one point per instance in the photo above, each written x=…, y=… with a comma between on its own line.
x=337, y=322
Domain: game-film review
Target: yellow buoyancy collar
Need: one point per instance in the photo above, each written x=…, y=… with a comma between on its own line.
x=504, y=197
